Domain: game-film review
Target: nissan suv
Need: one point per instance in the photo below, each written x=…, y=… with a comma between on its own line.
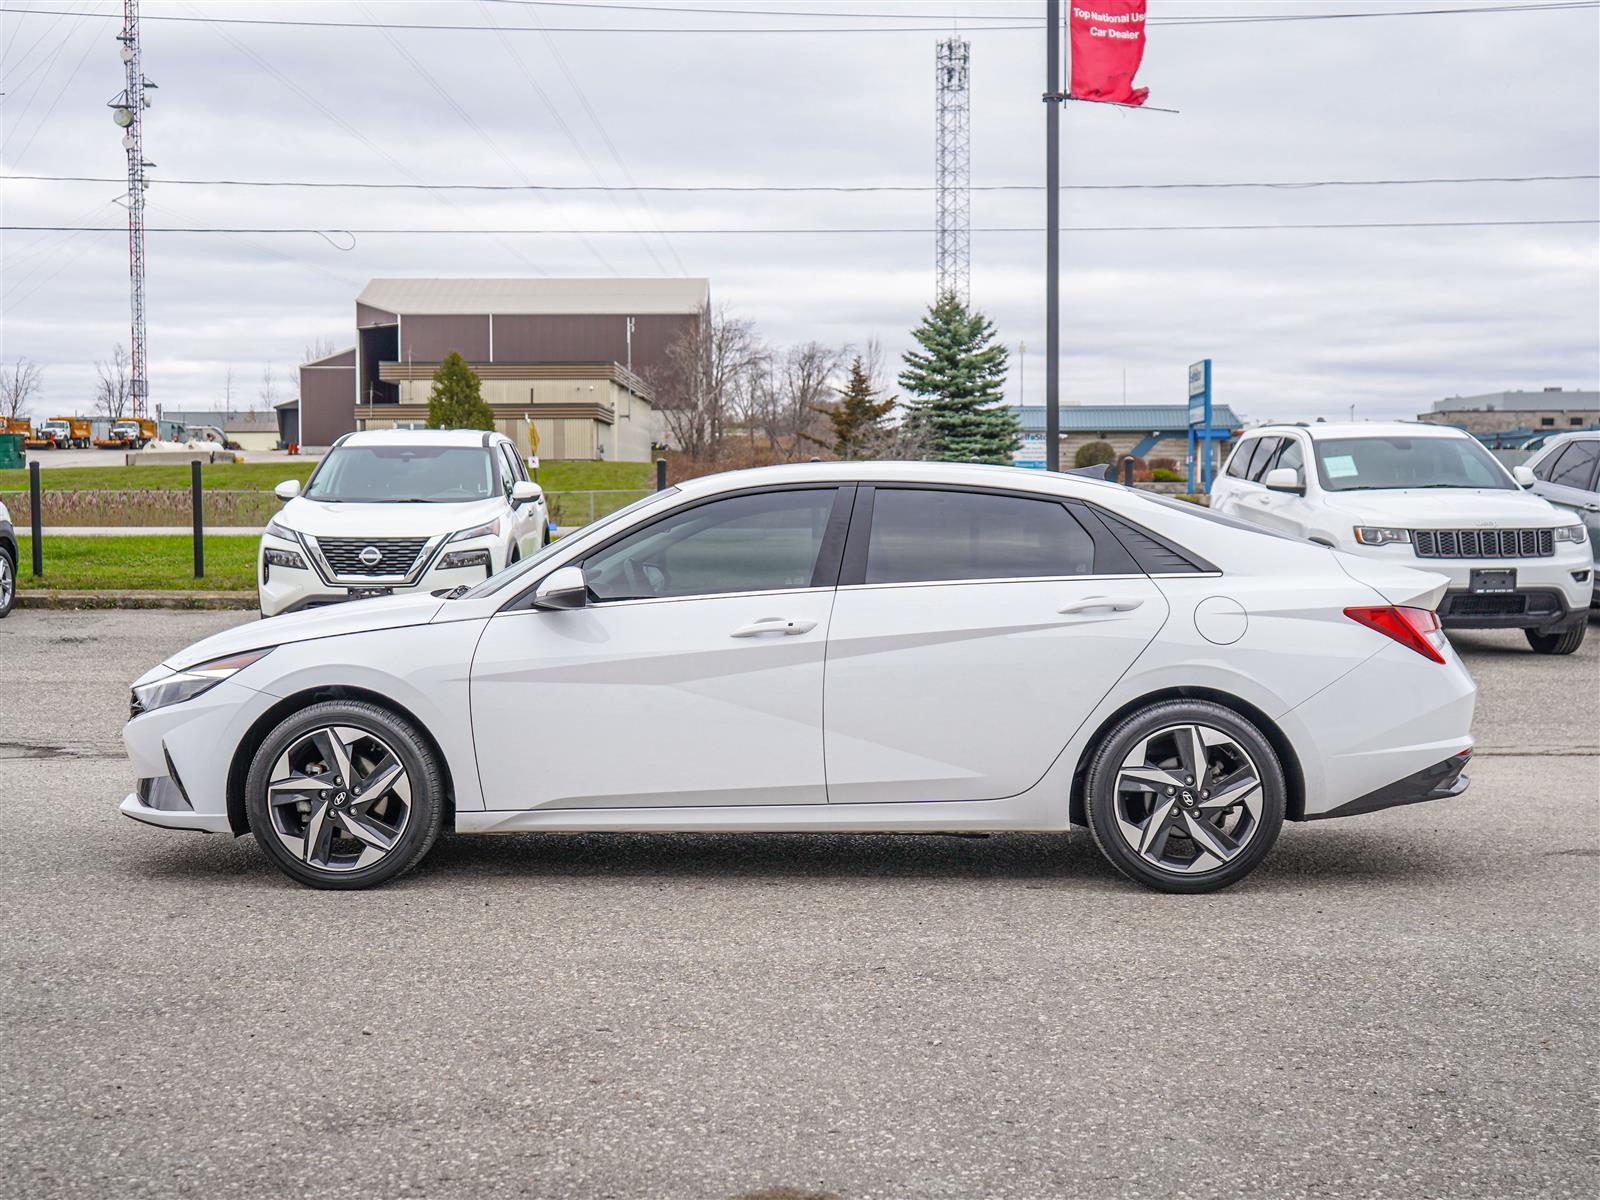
x=1426, y=496
x=400, y=511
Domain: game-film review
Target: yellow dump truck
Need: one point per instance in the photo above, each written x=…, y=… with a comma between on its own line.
x=62, y=433
x=130, y=433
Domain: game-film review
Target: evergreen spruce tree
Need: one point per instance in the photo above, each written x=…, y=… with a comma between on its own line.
x=456, y=401
x=858, y=417
x=958, y=377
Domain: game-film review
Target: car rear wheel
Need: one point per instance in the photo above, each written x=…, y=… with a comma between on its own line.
x=344, y=794
x=1185, y=796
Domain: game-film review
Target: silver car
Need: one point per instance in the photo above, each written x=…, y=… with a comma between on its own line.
x=1567, y=473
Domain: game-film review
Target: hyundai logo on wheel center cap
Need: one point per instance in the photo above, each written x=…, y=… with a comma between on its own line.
x=371, y=556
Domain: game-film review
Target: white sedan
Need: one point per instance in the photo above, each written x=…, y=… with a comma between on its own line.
x=851, y=647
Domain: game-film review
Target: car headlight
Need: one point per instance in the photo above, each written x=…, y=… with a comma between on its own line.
x=1377, y=535
x=186, y=685
x=277, y=529
x=1572, y=533
x=284, y=558
x=464, y=558
x=488, y=529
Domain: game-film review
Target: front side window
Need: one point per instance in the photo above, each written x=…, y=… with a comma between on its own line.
x=1384, y=462
x=1293, y=457
x=1575, y=469
x=404, y=474
x=767, y=541
x=1266, y=450
x=921, y=536
x=1239, y=462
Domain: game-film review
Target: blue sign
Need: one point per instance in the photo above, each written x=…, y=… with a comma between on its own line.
x=1201, y=434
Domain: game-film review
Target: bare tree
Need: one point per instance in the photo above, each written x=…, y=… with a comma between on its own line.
x=797, y=421
x=269, y=389
x=698, y=388
x=115, y=389
x=319, y=347
x=19, y=383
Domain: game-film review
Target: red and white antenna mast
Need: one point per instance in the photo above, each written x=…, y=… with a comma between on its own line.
x=128, y=113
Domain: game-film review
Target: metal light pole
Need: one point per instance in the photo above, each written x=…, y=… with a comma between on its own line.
x=1052, y=239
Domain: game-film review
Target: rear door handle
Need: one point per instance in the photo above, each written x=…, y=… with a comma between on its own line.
x=782, y=625
x=1093, y=603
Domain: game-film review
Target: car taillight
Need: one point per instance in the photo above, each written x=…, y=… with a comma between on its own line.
x=1410, y=627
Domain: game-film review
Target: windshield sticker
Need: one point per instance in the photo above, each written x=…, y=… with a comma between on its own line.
x=1340, y=466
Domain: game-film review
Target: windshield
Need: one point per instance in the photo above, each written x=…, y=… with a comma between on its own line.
x=1367, y=463
x=402, y=474
x=516, y=570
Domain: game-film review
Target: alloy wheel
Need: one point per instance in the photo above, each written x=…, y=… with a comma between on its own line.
x=8, y=582
x=339, y=798
x=1188, y=799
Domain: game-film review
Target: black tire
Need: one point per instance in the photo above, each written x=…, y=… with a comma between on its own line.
x=1102, y=799
x=424, y=776
x=8, y=582
x=1563, y=642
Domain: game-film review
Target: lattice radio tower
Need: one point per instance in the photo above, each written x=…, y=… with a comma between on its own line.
x=127, y=110
x=953, y=169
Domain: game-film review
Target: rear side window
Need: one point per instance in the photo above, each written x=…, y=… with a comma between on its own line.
x=921, y=536
x=1575, y=467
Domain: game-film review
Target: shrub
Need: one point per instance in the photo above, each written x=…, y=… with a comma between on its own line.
x=1165, y=475
x=1094, y=453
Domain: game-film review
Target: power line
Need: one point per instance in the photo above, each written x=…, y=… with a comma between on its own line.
x=1279, y=185
x=753, y=231
x=1555, y=6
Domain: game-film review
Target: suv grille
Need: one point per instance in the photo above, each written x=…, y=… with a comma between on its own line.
x=396, y=556
x=1484, y=543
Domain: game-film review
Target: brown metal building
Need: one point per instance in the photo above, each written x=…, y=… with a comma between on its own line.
x=568, y=358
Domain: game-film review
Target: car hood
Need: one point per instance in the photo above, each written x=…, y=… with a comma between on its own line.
x=1445, y=508
x=354, y=616
x=321, y=518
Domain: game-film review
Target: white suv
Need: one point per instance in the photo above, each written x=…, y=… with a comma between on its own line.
x=400, y=511
x=1425, y=496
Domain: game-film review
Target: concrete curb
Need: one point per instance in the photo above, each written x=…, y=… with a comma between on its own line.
x=243, y=601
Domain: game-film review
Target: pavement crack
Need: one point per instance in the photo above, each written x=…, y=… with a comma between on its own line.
x=22, y=749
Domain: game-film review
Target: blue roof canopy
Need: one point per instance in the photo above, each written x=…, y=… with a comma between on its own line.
x=1170, y=419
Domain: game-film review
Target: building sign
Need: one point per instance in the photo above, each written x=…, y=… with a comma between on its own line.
x=1030, y=453
x=1200, y=394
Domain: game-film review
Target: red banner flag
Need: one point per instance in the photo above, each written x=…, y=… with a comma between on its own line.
x=1107, y=46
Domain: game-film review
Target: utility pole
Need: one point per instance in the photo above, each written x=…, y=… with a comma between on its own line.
x=953, y=169
x=127, y=110
x=1052, y=238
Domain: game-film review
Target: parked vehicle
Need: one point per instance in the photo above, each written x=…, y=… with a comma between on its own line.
x=17, y=425
x=1567, y=474
x=209, y=433
x=1004, y=650
x=129, y=433
x=62, y=433
x=400, y=511
x=9, y=560
x=1427, y=496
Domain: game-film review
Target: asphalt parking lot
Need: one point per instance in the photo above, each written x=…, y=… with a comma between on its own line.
x=1403, y=1004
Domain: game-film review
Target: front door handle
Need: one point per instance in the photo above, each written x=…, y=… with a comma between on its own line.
x=1093, y=603
x=782, y=625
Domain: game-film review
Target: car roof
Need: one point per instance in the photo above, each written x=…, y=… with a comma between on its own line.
x=971, y=474
x=1348, y=429
x=421, y=437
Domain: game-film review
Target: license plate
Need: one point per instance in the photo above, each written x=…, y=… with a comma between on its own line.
x=369, y=593
x=1494, y=581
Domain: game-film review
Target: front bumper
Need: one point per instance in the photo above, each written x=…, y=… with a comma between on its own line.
x=1542, y=609
x=133, y=805
x=291, y=589
x=1551, y=591
x=1438, y=782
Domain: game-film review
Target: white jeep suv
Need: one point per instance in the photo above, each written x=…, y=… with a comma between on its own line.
x=400, y=511
x=1423, y=496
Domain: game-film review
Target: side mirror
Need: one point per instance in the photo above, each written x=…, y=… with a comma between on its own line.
x=522, y=491
x=288, y=489
x=1524, y=476
x=562, y=588
x=1284, y=479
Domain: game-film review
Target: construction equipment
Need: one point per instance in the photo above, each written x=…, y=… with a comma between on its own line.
x=130, y=433
x=62, y=433
x=20, y=425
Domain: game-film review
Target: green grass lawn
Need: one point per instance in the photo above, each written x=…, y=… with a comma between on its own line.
x=263, y=477
x=138, y=564
x=241, y=477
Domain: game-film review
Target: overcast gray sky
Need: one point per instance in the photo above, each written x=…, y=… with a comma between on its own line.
x=1300, y=323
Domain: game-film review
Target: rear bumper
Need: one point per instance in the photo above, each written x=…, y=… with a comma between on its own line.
x=1438, y=782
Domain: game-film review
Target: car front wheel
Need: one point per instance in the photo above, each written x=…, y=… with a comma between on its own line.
x=1185, y=796
x=344, y=794
x=8, y=584
x=1564, y=641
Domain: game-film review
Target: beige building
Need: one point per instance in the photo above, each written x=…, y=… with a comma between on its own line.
x=1553, y=410
x=566, y=363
